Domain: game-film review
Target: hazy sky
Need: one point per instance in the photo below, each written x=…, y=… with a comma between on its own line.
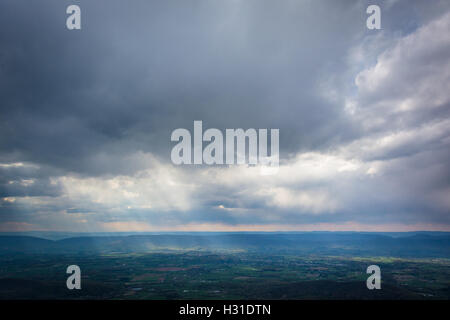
x=86, y=115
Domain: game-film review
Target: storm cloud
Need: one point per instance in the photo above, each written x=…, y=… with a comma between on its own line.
x=86, y=115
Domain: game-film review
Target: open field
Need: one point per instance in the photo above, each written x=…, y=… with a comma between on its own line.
x=220, y=274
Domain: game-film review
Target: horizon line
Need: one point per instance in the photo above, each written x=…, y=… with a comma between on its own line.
x=238, y=231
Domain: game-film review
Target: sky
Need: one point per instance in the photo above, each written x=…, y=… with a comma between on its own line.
x=86, y=115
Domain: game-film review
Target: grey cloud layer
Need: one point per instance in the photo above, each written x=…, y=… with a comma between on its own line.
x=363, y=116
x=134, y=73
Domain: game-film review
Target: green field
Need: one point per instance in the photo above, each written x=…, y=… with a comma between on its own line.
x=220, y=275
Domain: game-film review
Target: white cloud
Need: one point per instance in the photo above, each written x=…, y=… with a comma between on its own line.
x=412, y=75
x=160, y=187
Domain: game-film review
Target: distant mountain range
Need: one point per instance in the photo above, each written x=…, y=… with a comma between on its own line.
x=418, y=244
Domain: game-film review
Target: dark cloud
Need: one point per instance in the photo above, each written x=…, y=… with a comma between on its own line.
x=90, y=112
x=131, y=76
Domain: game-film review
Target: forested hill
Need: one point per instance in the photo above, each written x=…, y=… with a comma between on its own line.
x=322, y=243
